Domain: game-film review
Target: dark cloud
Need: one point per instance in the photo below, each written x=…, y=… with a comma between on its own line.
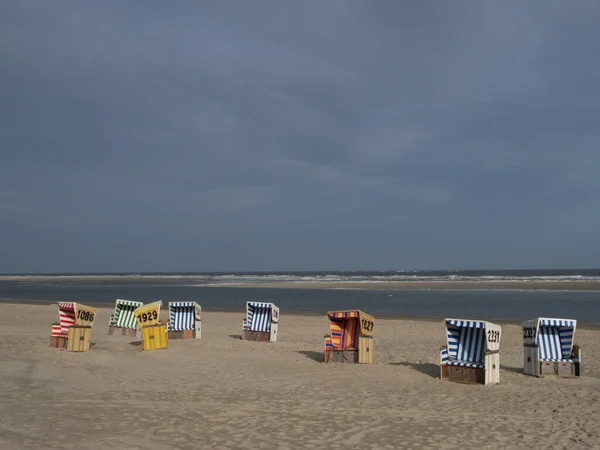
x=298, y=135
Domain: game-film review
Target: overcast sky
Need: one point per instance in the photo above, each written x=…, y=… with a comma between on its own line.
x=290, y=135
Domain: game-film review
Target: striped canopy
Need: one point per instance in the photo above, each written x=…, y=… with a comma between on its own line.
x=66, y=313
x=467, y=340
x=183, y=315
x=344, y=333
x=466, y=323
x=558, y=322
x=554, y=337
x=343, y=314
x=124, y=313
x=347, y=326
x=259, y=316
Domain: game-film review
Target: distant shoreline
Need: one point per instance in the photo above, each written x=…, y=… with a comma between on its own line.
x=423, y=285
x=506, y=284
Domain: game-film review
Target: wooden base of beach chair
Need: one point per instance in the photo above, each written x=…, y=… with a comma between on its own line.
x=184, y=334
x=343, y=356
x=79, y=338
x=262, y=336
x=445, y=371
x=547, y=368
x=58, y=341
x=471, y=375
x=155, y=337
x=121, y=331
x=567, y=369
x=365, y=350
x=562, y=369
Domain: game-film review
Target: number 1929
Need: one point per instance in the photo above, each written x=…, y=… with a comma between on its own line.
x=150, y=315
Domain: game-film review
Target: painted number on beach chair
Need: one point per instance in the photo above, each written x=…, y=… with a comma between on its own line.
x=150, y=315
x=529, y=332
x=85, y=315
x=493, y=336
x=367, y=325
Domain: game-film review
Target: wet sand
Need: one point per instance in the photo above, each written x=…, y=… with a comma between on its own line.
x=220, y=392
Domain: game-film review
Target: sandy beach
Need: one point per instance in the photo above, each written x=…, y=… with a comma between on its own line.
x=220, y=392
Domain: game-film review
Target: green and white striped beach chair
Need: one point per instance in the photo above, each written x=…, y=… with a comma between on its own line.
x=124, y=316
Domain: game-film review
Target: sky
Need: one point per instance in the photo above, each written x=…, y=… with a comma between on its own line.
x=299, y=135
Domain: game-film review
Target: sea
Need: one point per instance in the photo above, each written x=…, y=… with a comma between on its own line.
x=218, y=291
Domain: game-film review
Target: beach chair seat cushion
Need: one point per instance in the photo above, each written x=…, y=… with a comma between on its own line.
x=466, y=364
x=559, y=360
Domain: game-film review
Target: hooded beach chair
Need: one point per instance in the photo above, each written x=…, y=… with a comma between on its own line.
x=351, y=338
x=153, y=330
x=184, y=320
x=66, y=314
x=123, y=320
x=472, y=351
x=548, y=347
x=261, y=322
x=73, y=331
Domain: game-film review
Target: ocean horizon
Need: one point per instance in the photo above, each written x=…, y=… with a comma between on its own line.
x=224, y=291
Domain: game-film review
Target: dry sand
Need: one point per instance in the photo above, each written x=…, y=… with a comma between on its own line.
x=221, y=392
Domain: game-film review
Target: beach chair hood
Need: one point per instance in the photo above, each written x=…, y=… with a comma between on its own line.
x=260, y=316
x=124, y=316
x=468, y=340
x=553, y=337
x=71, y=314
x=347, y=326
x=184, y=316
x=66, y=314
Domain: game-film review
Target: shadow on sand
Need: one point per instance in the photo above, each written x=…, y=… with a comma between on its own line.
x=315, y=356
x=136, y=343
x=235, y=336
x=433, y=370
x=511, y=369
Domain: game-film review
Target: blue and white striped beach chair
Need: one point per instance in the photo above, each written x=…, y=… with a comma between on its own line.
x=472, y=351
x=548, y=347
x=261, y=322
x=185, y=316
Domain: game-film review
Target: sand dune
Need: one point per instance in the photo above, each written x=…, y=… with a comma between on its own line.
x=221, y=392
